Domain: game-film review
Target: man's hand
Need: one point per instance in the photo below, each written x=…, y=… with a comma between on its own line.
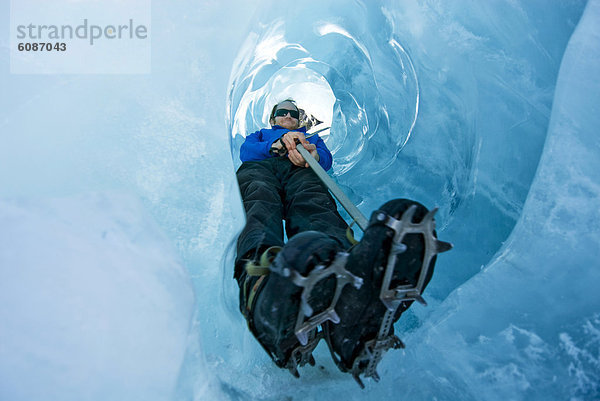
x=289, y=140
x=277, y=148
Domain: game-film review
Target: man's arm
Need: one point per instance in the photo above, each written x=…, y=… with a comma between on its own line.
x=325, y=158
x=255, y=148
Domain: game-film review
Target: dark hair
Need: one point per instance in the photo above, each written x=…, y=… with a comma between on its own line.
x=274, y=109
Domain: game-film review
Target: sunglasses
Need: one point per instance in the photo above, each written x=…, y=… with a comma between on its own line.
x=283, y=112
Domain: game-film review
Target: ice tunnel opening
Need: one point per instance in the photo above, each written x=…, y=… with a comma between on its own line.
x=309, y=89
x=366, y=91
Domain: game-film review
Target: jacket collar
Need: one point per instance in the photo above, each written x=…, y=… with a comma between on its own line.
x=301, y=129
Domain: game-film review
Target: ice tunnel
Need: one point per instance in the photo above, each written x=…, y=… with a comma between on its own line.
x=119, y=206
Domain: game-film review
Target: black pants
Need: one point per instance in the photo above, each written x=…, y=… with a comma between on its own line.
x=273, y=191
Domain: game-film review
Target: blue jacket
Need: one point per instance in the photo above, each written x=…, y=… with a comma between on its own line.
x=257, y=145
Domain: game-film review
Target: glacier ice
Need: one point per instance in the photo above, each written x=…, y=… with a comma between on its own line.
x=93, y=299
x=110, y=184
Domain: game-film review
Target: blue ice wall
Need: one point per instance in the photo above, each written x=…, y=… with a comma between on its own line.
x=528, y=326
x=118, y=198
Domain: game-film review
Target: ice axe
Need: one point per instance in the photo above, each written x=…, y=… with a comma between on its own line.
x=347, y=204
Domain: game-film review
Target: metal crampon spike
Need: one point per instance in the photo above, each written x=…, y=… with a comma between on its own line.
x=429, y=216
x=442, y=246
x=398, y=248
x=420, y=299
x=372, y=353
x=409, y=214
x=302, y=332
x=343, y=277
x=302, y=354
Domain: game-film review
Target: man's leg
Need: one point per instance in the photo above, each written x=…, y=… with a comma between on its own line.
x=310, y=207
x=271, y=302
x=261, y=189
x=317, y=233
x=261, y=195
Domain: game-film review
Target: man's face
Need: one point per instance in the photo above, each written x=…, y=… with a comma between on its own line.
x=286, y=121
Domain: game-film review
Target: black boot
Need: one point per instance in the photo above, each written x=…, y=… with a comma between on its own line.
x=279, y=309
x=365, y=330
